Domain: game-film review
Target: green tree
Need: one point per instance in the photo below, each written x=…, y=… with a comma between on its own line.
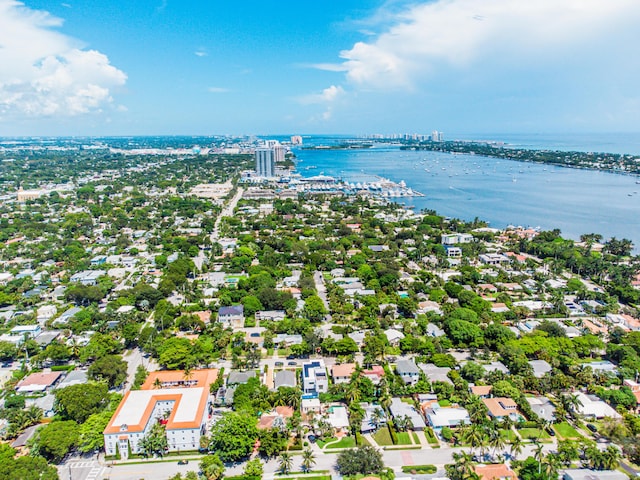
x=254, y=468
x=110, y=368
x=78, y=402
x=285, y=463
x=212, y=467
x=91, y=432
x=176, y=353
x=314, y=309
x=308, y=460
x=25, y=467
x=55, y=440
x=233, y=436
x=155, y=441
x=361, y=460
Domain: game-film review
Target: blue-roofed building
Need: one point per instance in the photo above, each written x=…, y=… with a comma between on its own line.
x=314, y=378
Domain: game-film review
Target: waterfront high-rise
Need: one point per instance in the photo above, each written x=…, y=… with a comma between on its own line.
x=265, y=162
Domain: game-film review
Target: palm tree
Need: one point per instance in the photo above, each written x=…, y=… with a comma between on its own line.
x=403, y=423
x=33, y=415
x=516, y=447
x=157, y=383
x=308, y=460
x=495, y=440
x=538, y=454
x=285, y=462
x=187, y=374
x=463, y=466
x=353, y=395
x=474, y=436
x=377, y=417
x=610, y=458
x=356, y=415
x=571, y=402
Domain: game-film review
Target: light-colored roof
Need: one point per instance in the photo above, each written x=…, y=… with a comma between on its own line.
x=38, y=381
x=447, y=417
x=586, y=474
x=407, y=366
x=593, y=406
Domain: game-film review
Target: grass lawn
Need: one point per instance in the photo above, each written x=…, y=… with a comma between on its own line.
x=431, y=437
x=383, y=437
x=508, y=435
x=529, y=433
x=322, y=443
x=566, y=431
x=345, y=442
x=404, y=438
x=416, y=440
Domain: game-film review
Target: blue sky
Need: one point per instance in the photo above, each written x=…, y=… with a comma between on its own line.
x=123, y=67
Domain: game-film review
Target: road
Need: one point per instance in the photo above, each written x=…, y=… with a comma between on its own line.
x=227, y=211
x=134, y=358
x=324, y=461
x=321, y=288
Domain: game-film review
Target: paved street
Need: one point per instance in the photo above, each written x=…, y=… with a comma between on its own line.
x=324, y=461
x=227, y=211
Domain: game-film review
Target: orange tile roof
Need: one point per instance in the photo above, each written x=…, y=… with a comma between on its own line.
x=200, y=377
x=481, y=390
x=500, y=406
x=284, y=411
x=497, y=471
x=203, y=379
x=343, y=370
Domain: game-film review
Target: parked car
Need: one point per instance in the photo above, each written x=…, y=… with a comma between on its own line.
x=183, y=462
x=292, y=364
x=279, y=364
x=592, y=427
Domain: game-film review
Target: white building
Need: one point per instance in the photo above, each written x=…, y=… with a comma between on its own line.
x=456, y=238
x=181, y=405
x=314, y=378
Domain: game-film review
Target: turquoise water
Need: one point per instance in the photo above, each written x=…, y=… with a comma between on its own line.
x=501, y=192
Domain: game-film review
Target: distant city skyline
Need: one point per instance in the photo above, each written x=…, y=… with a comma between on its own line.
x=356, y=67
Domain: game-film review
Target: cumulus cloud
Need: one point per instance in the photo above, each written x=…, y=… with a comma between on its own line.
x=327, y=98
x=201, y=52
x=427, y=38
x=46, y=73
x=328, y=95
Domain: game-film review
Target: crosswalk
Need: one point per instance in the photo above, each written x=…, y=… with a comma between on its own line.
x=94, y=473
x=82, y=464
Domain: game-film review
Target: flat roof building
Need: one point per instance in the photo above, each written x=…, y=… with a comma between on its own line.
x=179, y=401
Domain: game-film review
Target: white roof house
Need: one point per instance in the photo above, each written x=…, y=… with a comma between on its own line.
x=447, y=417
x=338, y=417
x=593, y=407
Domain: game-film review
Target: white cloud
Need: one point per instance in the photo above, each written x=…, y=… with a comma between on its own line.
x=46, y=73
x=201, y=52
x=427, y=38
x=218, y=90
x=328, y=95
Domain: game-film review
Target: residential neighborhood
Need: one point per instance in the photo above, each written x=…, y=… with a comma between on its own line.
x=285, y=322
